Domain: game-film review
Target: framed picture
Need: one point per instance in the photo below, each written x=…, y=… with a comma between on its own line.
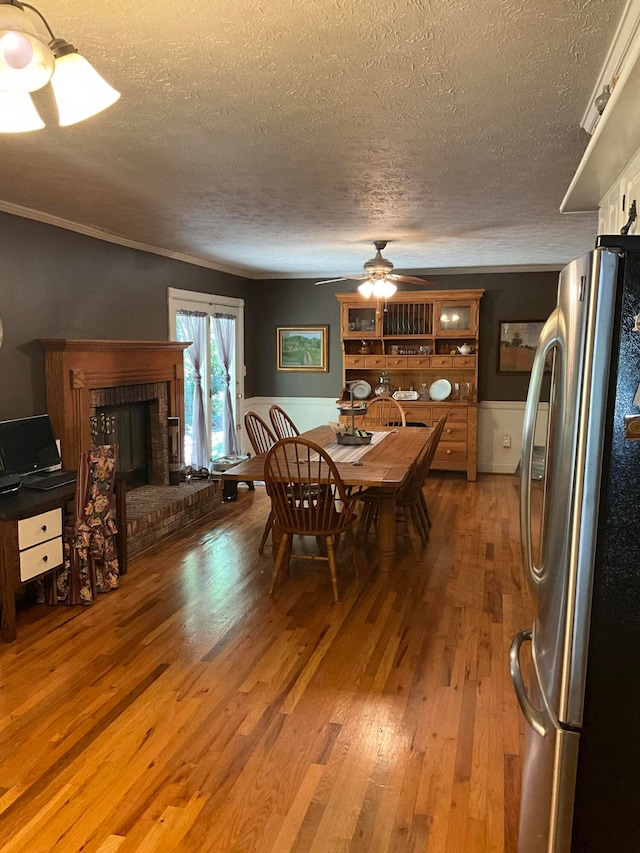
x=303, y=349
x=518, y=342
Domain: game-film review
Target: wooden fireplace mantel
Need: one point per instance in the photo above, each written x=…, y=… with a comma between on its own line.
x=74, y=368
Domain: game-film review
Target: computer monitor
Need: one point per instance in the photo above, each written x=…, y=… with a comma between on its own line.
x=28, y=445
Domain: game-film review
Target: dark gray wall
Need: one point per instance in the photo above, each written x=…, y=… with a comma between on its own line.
x=59, y=284
x=508, y=296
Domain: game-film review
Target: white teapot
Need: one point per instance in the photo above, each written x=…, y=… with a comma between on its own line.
x=465, y=349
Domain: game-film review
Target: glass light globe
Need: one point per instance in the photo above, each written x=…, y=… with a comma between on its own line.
x=17, y=113
x=79, y=90
x=366, y=289
x=26, y=63
x=383, y=288
x=15, y=50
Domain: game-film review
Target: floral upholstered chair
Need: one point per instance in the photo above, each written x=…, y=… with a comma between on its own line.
x=90, y=556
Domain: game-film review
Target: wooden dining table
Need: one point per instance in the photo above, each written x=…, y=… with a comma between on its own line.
x=384, y=467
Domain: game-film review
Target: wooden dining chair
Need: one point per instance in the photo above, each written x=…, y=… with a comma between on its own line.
x=423, y=508
x=262, y=439
x=384, y=411
x=308, y=498
x=283, y=426
x=260, y=433
x=410, y=502
x=91, y=560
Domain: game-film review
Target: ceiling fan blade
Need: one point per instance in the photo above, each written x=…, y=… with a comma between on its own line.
x=360, y=277
x=411, y=279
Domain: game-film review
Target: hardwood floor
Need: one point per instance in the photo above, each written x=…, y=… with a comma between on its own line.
x=190, y=711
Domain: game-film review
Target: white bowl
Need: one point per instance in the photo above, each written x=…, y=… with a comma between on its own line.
x=440, y=390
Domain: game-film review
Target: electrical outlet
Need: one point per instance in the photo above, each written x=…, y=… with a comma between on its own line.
x=506, y=440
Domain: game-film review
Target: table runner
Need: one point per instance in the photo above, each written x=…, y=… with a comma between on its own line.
x=353, y=452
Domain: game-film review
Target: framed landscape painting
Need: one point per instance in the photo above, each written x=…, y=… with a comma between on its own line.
x=517, y=345
x=303, y=349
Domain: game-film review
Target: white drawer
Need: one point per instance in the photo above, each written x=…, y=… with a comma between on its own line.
x=41, y=558
x=39, y=528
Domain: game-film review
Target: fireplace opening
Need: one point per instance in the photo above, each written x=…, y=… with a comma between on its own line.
x=128, y=425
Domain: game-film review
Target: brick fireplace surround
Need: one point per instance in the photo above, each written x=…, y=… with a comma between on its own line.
x=83, y=374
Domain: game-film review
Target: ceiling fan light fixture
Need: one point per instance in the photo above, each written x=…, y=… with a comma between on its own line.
x=26, y=63
x=18, y=113
x=79, y=90
x=384, y=289
x=366, y=288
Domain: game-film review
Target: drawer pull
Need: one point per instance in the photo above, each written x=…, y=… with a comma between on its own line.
x=45, y=558
x=449, y=431
x=448, y=453
x=43, y=528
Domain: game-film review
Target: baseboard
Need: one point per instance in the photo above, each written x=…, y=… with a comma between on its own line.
x=494, y=468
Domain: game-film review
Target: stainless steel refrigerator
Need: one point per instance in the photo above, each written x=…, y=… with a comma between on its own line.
x=581, y=776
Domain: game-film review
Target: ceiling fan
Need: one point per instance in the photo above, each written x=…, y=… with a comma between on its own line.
x=378, y=279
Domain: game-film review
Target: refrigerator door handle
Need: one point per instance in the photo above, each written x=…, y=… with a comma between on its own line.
x=548, y=340
x=532, y=714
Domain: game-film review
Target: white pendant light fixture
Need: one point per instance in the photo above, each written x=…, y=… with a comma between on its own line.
x=366, y=288
x=384, y=289
x=381, y=288
x=79, y=90
x=17, y=113
x=27, y=64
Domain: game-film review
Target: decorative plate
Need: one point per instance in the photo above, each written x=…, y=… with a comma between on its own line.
x=361, y=390
x=440, y=390
x=405, y=395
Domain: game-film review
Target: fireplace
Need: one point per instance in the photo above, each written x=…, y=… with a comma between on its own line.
x=88, y=381
x=135, y=417
x=128, y=427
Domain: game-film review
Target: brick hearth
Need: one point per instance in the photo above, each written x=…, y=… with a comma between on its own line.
x=154, y=512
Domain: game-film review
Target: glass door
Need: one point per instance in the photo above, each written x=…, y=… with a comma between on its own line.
x=214, y=379
x=223, y=373
x=454, y=318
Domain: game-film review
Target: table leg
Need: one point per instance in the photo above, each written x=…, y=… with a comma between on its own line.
x=387, y=529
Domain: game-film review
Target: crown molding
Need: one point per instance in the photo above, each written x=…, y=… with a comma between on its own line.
x=426, y=272
x=253, y=275
x=96, y=233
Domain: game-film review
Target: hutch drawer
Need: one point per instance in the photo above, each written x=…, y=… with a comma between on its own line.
x=454, y=431
x=468, y=361
x=451, y=454
x=395, y=361
x=441, y=361
x=375, y=361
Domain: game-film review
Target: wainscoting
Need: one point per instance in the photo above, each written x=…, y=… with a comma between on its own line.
x=495, y=420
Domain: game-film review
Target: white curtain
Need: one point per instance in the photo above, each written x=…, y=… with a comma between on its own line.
x=224, y=335
x=193, y=326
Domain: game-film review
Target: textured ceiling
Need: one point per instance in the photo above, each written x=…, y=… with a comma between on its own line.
x=280, y=137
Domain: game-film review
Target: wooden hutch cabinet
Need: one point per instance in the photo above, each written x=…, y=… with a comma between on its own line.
x=415, y=338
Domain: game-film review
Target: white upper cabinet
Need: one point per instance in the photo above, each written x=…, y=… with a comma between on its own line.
x=617, y=203
x=605, y=176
